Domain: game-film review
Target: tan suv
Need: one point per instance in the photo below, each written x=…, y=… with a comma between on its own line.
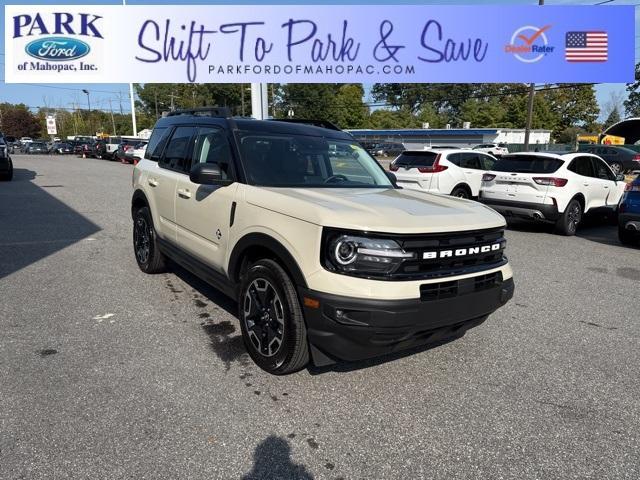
x=327, y=258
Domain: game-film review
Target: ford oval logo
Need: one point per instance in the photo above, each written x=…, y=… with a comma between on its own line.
x=57, y=49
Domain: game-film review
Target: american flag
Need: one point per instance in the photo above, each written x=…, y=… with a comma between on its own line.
x=587, y=47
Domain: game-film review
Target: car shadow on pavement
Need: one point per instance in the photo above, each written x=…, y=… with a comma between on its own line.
x=34, y=224
x=272, y=460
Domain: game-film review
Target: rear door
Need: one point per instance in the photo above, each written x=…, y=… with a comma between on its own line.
x=606, y=181
x=514, y=178
x=472, y=165
x=588, y=183
x=164, y=180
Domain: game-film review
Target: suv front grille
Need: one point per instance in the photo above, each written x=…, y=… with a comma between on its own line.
x=447, y=254
x=455, y=288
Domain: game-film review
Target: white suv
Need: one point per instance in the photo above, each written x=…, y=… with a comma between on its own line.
x=327, y=259
x=450, y=172
x=495, y=149
x=555, y=188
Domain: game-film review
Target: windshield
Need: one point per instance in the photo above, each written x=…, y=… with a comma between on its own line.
x=527, y=164
x=287, y=160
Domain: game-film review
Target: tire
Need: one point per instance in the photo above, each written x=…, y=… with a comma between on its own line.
x=7, y=177
x=616, y=168
x=568, y=222
x=271, y=319
x=460, y=192
x=145, y=246
x=626, y=237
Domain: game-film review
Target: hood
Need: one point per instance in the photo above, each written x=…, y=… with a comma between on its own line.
x=376, y=210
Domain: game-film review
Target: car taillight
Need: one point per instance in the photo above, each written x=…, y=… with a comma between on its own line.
x=487, y=177
x=393, y=168
x=551, y=181
x=632, y=188
x=435, y=168
x=636, y=158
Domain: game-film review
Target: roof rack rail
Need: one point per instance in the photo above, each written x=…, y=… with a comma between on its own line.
x=316, y=123
x=219, y=112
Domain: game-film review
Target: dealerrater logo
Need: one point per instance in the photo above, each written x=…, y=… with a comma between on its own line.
x=530, y=44
x=56, y=40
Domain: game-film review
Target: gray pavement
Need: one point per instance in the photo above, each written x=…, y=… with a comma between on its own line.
x=106, y=373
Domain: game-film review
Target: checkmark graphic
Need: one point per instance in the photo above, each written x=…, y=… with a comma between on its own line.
x=532, y=38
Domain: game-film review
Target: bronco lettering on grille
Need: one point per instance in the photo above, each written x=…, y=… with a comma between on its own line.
x=461, y=252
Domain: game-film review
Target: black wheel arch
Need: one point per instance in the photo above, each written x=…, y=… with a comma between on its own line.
x=138, y=200
x=255, y=246
x=464, y=186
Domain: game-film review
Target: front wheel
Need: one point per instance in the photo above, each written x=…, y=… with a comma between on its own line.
x=6, y=177
x=568, y=222
x=145, y=246
x=271, y=320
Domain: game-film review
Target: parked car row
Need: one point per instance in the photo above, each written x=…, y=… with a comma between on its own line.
x=555, y=188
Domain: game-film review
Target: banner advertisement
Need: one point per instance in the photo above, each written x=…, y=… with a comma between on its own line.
x=351, y=43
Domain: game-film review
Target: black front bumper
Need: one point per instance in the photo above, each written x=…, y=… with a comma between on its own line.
x=350, y=329
x=523, y=210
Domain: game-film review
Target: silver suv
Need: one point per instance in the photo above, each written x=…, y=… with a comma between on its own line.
x=328, y=259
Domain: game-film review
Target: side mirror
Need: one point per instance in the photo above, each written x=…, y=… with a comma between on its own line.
x=620, y=177
x=392, y=177
x=207, y=174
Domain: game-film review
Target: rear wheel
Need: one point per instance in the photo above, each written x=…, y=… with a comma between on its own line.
x=568, y=222
x=271, y=319
x=460, y=192
x=145, y=246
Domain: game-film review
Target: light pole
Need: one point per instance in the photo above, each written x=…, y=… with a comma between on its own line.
x=89, y=103
x=532, y=93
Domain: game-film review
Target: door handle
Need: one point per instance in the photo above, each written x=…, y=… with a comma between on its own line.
x=184, y=193
x=152, y=182
x=586, y=184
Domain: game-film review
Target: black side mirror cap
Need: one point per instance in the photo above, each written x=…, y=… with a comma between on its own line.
x=392, y=177
x=620, y=177
x=208, y=174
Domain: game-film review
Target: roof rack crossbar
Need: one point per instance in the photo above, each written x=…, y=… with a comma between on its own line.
x=219, y=112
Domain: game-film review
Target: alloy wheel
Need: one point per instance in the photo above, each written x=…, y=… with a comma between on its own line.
x=264, y=317
x=574, y=217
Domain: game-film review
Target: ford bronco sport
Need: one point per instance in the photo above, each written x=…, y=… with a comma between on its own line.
x=326, y=257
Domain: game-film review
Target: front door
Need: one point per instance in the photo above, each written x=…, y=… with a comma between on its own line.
x=203, y=212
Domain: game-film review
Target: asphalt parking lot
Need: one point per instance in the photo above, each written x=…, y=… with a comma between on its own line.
x=108, y=373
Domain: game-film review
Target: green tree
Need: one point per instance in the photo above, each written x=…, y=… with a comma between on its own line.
x=612, y=119
x=392, y=119
x=632, y=103
x=18, y=121
x=573, y=106
x=350, y=111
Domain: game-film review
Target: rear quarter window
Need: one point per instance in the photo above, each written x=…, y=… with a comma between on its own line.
x=156, y=144
x=527, y=164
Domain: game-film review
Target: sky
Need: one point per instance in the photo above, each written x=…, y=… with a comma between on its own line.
x=116, y=96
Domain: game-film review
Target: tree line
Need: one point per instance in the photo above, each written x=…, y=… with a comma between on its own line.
x=566, y=109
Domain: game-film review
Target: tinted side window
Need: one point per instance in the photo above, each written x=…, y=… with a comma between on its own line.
x=487, y=162
x=176, y=155
x=602, y=171
x=212, y=146
x=455, y=158
x=156, y=144
x=582, y=166
x=470, y=160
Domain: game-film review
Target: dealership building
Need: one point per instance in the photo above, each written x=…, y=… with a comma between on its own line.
x=457, y=137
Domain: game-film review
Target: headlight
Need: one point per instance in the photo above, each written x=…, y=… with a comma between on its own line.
x=354, y=254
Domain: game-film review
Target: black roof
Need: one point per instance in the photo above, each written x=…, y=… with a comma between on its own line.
x=251, y=125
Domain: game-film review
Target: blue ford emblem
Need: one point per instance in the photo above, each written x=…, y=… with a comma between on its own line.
x=57, y=49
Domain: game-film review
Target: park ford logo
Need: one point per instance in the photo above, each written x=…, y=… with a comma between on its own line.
x=462, y=252
x=57, y=49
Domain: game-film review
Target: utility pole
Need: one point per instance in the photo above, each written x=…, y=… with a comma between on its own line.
x=532, y=94
x=89, y=102
x=242, y=99
x=173, y=105
x=113, y=123
x=133, y=111
x=155, y=99
x=273, y=101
